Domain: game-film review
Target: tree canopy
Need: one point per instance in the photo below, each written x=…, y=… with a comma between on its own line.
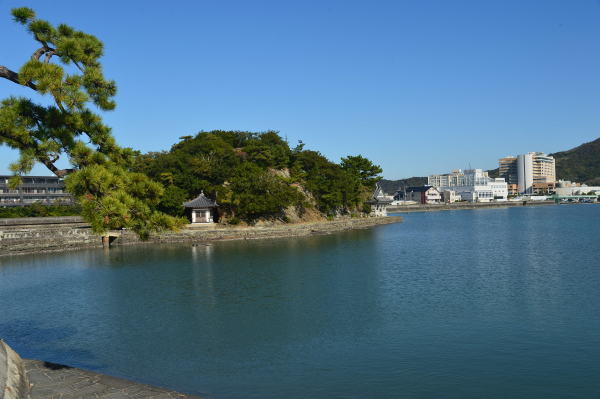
x=66, y=68
x=257, y=175
x=365, y=170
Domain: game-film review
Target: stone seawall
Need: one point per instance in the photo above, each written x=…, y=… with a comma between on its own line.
x=32, y=237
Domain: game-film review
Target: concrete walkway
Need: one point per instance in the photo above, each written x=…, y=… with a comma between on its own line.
x=54, y=381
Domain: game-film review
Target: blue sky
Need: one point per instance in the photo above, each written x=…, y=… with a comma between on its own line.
x=417, y=86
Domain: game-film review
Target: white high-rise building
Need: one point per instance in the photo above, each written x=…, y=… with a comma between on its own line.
x=536, y=172
x=472, y=185
x=525, y=172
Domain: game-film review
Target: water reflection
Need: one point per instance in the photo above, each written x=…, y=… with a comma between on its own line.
x=444, y=302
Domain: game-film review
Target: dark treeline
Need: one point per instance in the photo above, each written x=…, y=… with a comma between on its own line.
x=39, y=210
x=258, y=176
x=391, y=186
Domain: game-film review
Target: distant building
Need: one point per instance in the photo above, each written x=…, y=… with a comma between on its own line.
x=48, y=190
x=424, y=195
x=400, y=198
x=399, y=195
x=472, y=185
x=379, y=202
x=513, y=189
x=508, y=170
x=533, y=173
x=565, y=188
x=201, y=209
x=449, y=196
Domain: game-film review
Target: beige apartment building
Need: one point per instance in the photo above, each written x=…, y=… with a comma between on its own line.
x=531, y=173
x=508, y=170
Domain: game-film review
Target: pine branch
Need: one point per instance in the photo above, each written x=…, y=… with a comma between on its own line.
x=38, y=53
x=49, y=51
x=14, y=77
x=39, y=155
x=49, y=55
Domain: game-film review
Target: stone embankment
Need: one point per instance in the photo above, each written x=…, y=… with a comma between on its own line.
x=33, y=235
x=34, y=379
x=463, y=205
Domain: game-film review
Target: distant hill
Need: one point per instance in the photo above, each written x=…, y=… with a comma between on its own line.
x=391, y=186
x=580, y=164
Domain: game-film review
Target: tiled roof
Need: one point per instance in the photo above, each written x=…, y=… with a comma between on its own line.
x=200, y=201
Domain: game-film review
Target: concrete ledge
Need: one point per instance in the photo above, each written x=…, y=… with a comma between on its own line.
x=13, y=379
x=50, y=380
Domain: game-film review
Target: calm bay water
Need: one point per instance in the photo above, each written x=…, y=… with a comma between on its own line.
x=459, y=304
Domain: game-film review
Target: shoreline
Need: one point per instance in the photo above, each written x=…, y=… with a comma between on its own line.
x=463, y=206
x=26, y=236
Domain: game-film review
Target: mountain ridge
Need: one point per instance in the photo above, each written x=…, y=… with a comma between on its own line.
x=579, y=164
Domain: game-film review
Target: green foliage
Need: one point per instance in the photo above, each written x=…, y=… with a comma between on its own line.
x=580, y=164
x=235, y=221
x=112, y=198
x=365, y=170
x=23, y=15
x=335, y=189
x=256, y=175
x=268, y=151
x=366, y=209
x=256, y=193
x=172, y=201
x=39, y=210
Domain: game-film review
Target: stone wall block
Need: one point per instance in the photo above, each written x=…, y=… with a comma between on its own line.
x=13, y=379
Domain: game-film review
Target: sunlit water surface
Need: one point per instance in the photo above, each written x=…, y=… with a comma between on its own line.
x=501, y=303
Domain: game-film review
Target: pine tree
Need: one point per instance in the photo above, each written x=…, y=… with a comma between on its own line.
x=66, y=67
